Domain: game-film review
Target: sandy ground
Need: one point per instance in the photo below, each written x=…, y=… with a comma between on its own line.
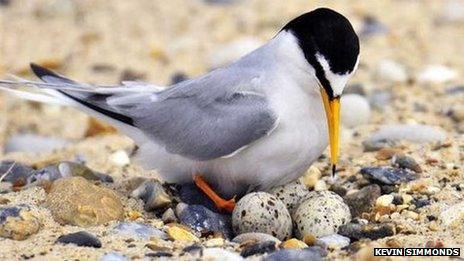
x=158, y=38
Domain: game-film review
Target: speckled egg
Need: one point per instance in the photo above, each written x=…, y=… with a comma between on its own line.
x=264, y=213
x=291, y=194
x=321, y=214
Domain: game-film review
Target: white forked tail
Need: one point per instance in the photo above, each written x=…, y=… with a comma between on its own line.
x=107, y=103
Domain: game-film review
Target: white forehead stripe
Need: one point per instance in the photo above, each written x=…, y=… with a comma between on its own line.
x=337, y=81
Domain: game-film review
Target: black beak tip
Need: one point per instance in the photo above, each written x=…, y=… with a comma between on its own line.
x=334, y=169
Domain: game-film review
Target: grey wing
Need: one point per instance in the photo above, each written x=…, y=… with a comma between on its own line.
x=189, y=127
x=202, y=119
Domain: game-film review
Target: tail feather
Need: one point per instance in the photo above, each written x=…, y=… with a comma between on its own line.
x=57, y=89
x=37, y=97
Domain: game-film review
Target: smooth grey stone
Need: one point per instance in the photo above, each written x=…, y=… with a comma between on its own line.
x=138, y=231
x=201, y=219
x=307, y=254
x=33, y=143
x=388, y=175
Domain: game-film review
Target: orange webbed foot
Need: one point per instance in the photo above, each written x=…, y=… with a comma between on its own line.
x=221, y=204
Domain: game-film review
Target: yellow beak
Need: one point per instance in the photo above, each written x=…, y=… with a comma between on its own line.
x=332, y=111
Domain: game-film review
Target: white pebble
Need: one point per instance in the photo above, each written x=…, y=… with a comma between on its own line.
x=320, y=185
x=453, y=11
x=355, y=110
x=34, y=143
x=391, y=71
x=219, y=254
x=437, y=74
x=384, y=200
x=334, y=241
x=120, y=158
x=411, y=132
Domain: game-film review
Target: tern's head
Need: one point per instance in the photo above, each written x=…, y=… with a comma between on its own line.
x=331, y=46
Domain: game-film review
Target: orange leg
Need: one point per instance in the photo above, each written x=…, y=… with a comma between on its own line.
x=221, y=204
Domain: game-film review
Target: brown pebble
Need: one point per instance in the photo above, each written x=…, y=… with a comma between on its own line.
x=96, y=128
x=4, y=201
x=310, y=240
x=393, y=243
x=387, y=153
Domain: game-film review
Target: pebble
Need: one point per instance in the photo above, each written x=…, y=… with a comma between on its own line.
x=377, y=145
x=113, y=256
x=5, y=3
x=138, y=231
x=190, y=194
x=66, y=169
x=255, y=237
x=98, y=128
x=295, y=255
x=391, y=71
x=192, y=249
x=158, y=254
x=219, y=254
x=321, y=185
x=81, y=238
x=453, y=216
x=262, y=212
x=387, y=153
x=406, y=162
x=356, y=88
x=178, y=77
x=201, y=219
x=232, y=51
x=380, y=99
x=78, y=202
x=293, y=243
x=132, y=75
x=436, y=74
x=456, y=112
x=169, y=216
x=57, y=8
x=120, y=158
x=372, y=26
x=17, y=172
x=321, y=214
x=291, y=194
x=372, y=231
x=18, y=222
x=356, y=110
x=459, y=89
x=157, y=244
x=363, y=200
x=453, y=11
x=388, y=175
x=178, y=233
x=411, y=132
x=22, y=143
x=406, y=198
x=334, y=241
x=153, y=195
x=258, y=249
x=214, y=242
x=310, y=178
x=384, y=200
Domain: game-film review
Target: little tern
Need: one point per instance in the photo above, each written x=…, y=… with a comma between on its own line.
x=254, y=124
